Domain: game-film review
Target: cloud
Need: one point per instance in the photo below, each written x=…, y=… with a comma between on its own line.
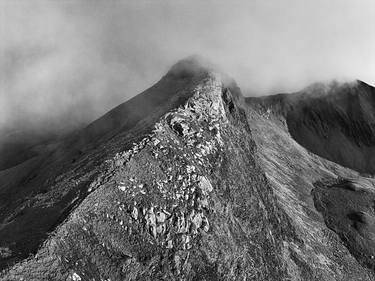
x=65, y=63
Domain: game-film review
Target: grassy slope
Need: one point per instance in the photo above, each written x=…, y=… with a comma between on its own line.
x=295, y=174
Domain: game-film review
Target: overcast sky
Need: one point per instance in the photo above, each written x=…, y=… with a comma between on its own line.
x=81, y=58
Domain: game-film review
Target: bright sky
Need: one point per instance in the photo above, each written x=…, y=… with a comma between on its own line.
x=81, y=58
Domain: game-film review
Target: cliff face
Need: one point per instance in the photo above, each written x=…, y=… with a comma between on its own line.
x=202, y=186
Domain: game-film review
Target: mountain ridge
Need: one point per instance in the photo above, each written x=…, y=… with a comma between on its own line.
x=209, y=186
x=65, y=172
x=344, y=110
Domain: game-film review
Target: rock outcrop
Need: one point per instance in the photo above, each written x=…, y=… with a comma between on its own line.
x=187, y=202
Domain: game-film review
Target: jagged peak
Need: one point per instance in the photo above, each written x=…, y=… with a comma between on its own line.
x=194, y=65
x=197, y=65
x=198, y=68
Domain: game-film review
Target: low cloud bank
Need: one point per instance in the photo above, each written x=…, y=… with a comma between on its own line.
x=66, y=63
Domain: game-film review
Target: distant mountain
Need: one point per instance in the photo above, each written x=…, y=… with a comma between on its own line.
x=27, y=137
x=191, y=181
x=18, y=145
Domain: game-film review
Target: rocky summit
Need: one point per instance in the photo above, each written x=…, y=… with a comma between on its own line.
x=191, y=181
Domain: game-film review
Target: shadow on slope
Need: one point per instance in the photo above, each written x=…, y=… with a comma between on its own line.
x=18, y=146
x=335, y=121
x=348, y=208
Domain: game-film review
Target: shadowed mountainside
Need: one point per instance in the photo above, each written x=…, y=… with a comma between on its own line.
x=334, y=120
x=18, y=146
x=316, y=193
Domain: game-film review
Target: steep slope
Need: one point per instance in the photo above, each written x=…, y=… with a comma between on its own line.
x=334, y=120
x=314, y=192
x=187, y=202
x=203, y=187
x=38, y=194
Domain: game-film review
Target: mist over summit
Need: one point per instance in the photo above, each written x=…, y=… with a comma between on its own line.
x=64, y=64
x=190, y=180
x=187, y=140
